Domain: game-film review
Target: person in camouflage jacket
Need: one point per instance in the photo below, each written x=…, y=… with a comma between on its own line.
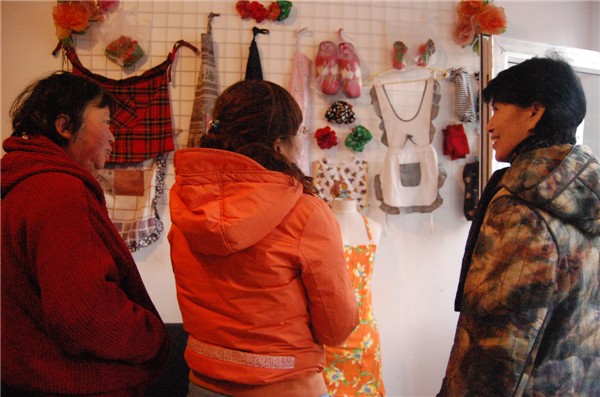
x=528, y=295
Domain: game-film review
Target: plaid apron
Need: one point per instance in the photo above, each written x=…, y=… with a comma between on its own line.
x=133, y=181
x=141, y=123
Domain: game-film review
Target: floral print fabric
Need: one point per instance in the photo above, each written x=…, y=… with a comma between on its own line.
x=354, y=368
x=347, y=180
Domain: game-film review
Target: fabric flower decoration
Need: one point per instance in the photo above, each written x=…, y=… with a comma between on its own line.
x=273, y=11
x=276, y=11
x=326, y=138
x=286, y=8
x=242, y=9
x=75, y=16
x=477, y=17
x=70, y=17
x=358, y=138
x=257, y=11
x=340, y=112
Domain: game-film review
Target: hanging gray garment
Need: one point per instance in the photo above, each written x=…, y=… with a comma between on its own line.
x=465, y=101
x=207, y=90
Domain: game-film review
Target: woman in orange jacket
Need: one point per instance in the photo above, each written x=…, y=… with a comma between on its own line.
x=258, y=258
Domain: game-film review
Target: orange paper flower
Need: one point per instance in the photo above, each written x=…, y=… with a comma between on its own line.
x=469, y=8
x=463, y=33
x=75, y=16
x=476, y=17
x=491, y=19
x=70, y=17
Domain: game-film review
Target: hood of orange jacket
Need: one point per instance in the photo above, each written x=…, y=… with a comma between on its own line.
x=228, y=202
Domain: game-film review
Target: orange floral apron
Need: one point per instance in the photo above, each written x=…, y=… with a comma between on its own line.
x=354, y=368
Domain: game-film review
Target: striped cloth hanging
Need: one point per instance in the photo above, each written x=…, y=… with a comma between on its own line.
x=465, y=102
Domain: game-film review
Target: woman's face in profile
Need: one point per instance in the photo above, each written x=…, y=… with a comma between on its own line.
x=509, y=125
x=92, y=144
x=292, y=148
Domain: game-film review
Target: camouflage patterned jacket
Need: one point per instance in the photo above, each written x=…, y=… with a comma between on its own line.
x=530, y=318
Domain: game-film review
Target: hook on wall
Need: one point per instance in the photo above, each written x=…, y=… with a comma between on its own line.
x=300, y=33
x=211, y=16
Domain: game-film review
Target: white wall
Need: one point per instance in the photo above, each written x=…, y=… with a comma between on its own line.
x=419, y=255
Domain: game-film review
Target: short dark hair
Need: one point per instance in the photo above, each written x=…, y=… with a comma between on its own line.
x=552, y=83
x=37, y=107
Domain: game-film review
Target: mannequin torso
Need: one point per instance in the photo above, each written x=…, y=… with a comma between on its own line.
x=352, y=224
x=355, y=360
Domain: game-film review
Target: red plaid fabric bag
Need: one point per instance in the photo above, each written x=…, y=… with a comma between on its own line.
x=142, y=121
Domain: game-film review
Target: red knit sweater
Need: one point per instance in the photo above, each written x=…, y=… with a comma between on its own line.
x=76, y=318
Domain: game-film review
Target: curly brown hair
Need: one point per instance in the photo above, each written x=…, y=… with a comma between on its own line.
x=248, y=117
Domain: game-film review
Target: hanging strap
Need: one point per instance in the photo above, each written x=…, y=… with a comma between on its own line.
x=368, y=230
x=211, y=16
x=72, y=56
x=171, y=56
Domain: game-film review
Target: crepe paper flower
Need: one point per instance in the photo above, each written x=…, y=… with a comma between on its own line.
x=276, y=11
x=74, y=17
x=70, y=17
x=326, y=138
x=358, y=138
x=474, y=18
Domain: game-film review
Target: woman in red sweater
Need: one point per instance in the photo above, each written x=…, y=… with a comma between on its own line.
x=76, y=317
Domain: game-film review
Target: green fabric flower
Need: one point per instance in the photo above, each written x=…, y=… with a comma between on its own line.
x=358, y=138
x=285, y=7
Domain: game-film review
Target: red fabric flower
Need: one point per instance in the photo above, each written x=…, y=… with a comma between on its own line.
x=242, y=8
x=326, y=138
x=276, y=11
x=273, y=11
x=257, y=11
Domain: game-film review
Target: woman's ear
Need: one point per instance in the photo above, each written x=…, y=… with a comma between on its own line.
x=62, y=126
x=533, y=114
x=537, y=111
x=277, y=145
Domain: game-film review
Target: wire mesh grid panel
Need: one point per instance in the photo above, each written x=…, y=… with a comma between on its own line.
x=371, y=26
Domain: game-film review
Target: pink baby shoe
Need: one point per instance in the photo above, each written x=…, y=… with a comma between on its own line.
x=327, y=68
x=350, y=71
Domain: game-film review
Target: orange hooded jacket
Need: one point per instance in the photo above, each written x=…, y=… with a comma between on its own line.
x=261, y=278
